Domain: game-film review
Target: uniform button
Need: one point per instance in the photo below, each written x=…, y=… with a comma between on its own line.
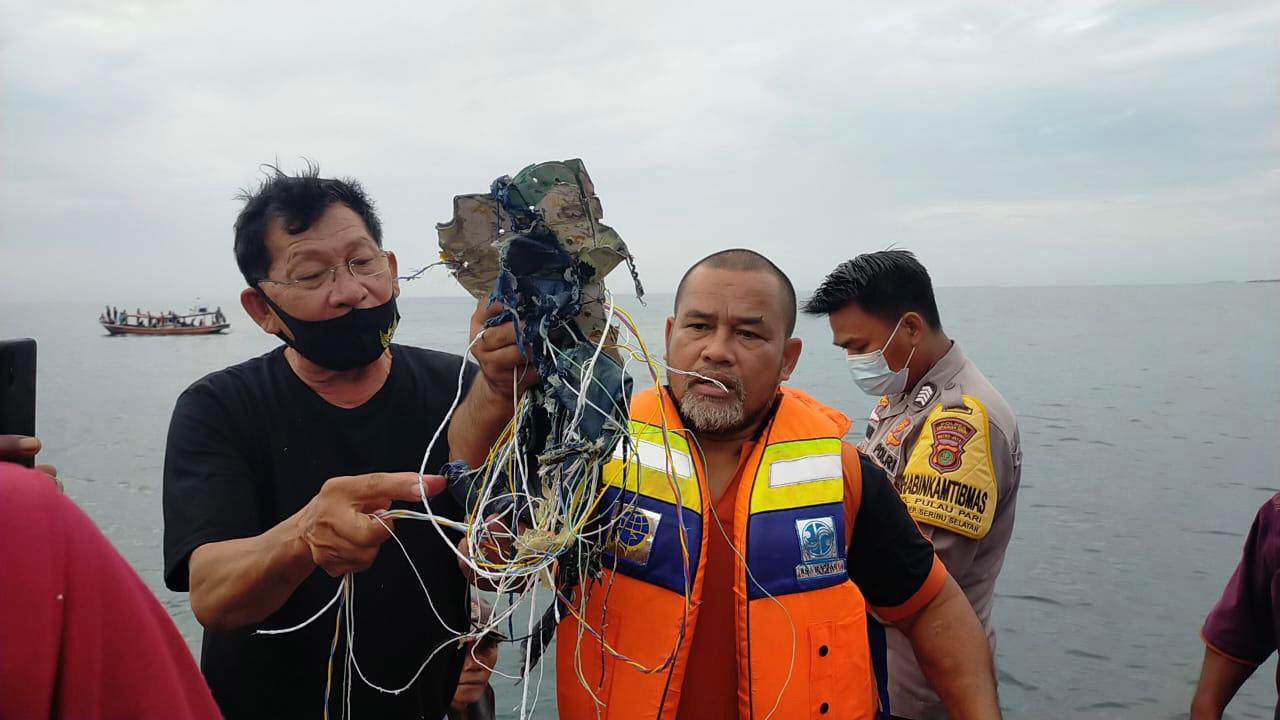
x=823, y=708
x=822, y=651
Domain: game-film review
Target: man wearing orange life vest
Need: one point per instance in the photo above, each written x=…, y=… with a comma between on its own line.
x=750, y=540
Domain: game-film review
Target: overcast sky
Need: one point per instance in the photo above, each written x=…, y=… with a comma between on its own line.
x=1007, y=143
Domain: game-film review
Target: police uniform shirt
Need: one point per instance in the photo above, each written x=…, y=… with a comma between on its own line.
x=951, y=446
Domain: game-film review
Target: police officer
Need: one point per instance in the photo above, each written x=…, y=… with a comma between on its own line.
x=939, y=429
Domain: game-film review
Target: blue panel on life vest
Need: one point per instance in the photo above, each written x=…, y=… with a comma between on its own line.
x=644, y=542
x=795, y=550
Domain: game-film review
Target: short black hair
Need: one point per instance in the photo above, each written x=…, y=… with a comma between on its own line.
x=298, y=201
x=887, y=284
x=745, y=260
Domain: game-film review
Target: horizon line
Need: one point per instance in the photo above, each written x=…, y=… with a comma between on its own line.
x=462, y=294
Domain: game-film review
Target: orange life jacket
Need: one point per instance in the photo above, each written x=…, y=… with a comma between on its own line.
x=801, y=624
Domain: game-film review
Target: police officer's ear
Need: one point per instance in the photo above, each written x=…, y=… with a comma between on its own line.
x=914, y=327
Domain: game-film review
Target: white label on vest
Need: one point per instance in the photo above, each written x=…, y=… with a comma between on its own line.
x=654, y=456
x=633, y=536
x=805, y=469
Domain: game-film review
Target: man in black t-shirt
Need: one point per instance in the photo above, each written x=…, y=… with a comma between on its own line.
x=274, y=466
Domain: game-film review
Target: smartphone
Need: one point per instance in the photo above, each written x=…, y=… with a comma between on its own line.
x=18, y=389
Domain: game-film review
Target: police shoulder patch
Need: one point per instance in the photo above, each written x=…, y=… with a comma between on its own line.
x=925, y=395
x=949, y=481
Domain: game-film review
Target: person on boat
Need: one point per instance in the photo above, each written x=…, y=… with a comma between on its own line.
x=1243, y=629
x=939, y=429
x=272, y=466
x=790, y=534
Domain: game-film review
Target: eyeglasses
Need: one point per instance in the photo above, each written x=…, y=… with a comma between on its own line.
x=364, y=266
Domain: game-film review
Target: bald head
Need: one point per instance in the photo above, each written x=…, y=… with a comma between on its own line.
x=743, y=260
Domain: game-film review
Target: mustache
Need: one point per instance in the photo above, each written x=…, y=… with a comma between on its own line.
x=731, y=381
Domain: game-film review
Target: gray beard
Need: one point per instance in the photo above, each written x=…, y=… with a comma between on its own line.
x=707, y=415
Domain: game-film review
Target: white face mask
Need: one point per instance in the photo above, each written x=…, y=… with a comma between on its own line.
x=871, y=372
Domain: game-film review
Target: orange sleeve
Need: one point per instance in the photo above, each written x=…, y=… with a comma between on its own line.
x=893, y=559
x=927, y=592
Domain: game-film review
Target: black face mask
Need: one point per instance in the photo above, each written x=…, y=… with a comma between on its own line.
x=342, y=343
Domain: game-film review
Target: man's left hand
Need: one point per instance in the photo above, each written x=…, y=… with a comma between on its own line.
x=506, y=370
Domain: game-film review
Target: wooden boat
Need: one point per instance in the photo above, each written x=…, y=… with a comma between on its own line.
x=199, y=321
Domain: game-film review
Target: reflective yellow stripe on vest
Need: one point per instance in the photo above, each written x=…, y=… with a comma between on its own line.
x=798, y=474
x=655, y=469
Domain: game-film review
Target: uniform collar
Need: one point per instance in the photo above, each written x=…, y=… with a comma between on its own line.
x=941, y=375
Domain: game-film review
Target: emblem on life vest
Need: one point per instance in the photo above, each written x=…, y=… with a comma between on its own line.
x=633, y=539
x=819, y=550
x=895, y=435
x=949, y=438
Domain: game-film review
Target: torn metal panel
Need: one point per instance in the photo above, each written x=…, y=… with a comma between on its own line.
x=556, y=196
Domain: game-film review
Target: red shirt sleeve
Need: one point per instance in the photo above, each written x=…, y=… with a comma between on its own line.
x=1245, y=622
x=83, y=636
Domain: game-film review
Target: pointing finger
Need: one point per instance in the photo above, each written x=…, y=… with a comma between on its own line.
x=394, y=486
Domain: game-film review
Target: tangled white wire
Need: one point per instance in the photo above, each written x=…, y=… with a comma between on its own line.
x=516, y=563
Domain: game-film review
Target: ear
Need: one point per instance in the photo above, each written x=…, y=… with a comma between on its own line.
x=260, y=311
x=666, y=349
x=915, y=325
x=790, y=356
x=395, y=274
